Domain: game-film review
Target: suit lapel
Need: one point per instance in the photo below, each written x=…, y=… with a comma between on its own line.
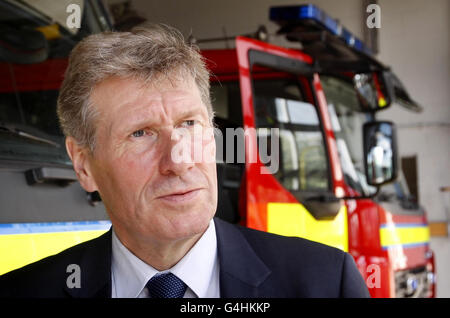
x=241, y=270
x=95, y=269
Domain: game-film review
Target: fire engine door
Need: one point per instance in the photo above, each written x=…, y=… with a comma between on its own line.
x=289, y=163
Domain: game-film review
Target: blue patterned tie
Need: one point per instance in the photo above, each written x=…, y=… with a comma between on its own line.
x=166, y=286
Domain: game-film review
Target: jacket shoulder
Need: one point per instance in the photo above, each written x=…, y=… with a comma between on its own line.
x=46, y=277
x=304, y=268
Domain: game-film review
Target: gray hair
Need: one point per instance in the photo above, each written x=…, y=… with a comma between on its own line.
x=146, y=53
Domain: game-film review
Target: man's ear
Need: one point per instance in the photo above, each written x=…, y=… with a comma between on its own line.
x=81, y=165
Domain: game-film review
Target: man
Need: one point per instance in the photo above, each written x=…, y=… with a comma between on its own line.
x=127, y=101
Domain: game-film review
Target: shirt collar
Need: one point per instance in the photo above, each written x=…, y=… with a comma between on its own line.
x=197, y=267
x=131, y=274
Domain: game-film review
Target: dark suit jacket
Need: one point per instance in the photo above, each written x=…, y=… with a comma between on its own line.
x=252, y=264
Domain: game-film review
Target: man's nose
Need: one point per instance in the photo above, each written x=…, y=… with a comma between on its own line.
x=176, y=147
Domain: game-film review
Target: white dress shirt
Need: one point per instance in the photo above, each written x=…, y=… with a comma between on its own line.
x=199, y=269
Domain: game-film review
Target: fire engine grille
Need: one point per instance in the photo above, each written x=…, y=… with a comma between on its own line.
x=413, y=283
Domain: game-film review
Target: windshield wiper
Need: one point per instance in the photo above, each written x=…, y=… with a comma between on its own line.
x=20, y=132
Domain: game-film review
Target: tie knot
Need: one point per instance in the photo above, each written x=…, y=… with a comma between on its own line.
x=166, y=286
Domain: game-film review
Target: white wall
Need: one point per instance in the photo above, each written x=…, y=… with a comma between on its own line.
x=414, y=40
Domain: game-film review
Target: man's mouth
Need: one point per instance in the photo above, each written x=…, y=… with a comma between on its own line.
x=180, y=196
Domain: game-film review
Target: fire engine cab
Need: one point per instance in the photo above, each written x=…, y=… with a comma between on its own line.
x=316, y=176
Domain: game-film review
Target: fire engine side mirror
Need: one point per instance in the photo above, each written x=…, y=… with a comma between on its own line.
x=373, y=90
x=380, y=152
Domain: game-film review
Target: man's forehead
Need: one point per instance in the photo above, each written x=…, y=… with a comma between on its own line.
x=138, y=83
x=115, y=92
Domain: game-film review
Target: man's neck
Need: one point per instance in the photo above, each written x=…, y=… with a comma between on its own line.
x=161, y=255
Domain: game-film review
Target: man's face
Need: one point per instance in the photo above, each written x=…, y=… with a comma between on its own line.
x=147, y=193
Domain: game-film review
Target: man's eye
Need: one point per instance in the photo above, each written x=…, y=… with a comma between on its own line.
x=138, y=133
x=190, y=122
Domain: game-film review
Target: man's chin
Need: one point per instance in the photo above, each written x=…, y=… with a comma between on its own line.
x=177, y=224
x=189, y=228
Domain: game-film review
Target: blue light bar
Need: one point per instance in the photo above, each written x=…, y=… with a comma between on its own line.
x=301, y=13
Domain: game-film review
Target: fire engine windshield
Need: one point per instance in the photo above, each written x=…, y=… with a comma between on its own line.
x=29, y=129
x=347, y=120
x=279, y=103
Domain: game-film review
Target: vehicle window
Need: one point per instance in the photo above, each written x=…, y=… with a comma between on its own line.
x=303, y=164
x=226, y=102
x=29, y=129
x=347, y=120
